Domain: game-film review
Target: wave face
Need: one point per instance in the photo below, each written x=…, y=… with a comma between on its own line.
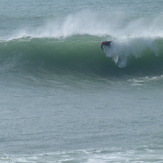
x=65, y=45
x=74, y=54
x=82, y=53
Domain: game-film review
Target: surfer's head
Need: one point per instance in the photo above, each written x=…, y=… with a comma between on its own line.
x=105, y=43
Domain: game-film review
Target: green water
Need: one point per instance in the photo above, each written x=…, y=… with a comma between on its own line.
x=64, y=99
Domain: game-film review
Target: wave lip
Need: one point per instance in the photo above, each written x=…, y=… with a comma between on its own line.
x=95, y=23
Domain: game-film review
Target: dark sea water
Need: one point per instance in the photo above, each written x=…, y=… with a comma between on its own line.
x=65, y=100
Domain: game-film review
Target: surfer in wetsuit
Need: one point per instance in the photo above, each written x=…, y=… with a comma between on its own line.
x=105, y=43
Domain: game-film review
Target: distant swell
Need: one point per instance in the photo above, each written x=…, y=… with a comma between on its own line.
x=82, y=54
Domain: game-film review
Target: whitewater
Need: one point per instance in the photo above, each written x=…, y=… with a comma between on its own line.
x=63, y=99
x=133, y=38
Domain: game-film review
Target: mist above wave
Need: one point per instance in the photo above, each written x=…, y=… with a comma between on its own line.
x=115, y=25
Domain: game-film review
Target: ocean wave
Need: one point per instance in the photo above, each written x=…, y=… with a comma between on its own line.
x=127, y=51
x=82, y=53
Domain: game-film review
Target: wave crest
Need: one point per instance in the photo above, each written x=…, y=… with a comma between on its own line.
x=82, y=54
x=87, y=22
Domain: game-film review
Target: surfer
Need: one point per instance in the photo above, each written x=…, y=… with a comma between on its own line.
x=105, y=43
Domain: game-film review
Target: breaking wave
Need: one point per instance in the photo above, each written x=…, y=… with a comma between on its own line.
x=82, y=53
x=72, y=44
